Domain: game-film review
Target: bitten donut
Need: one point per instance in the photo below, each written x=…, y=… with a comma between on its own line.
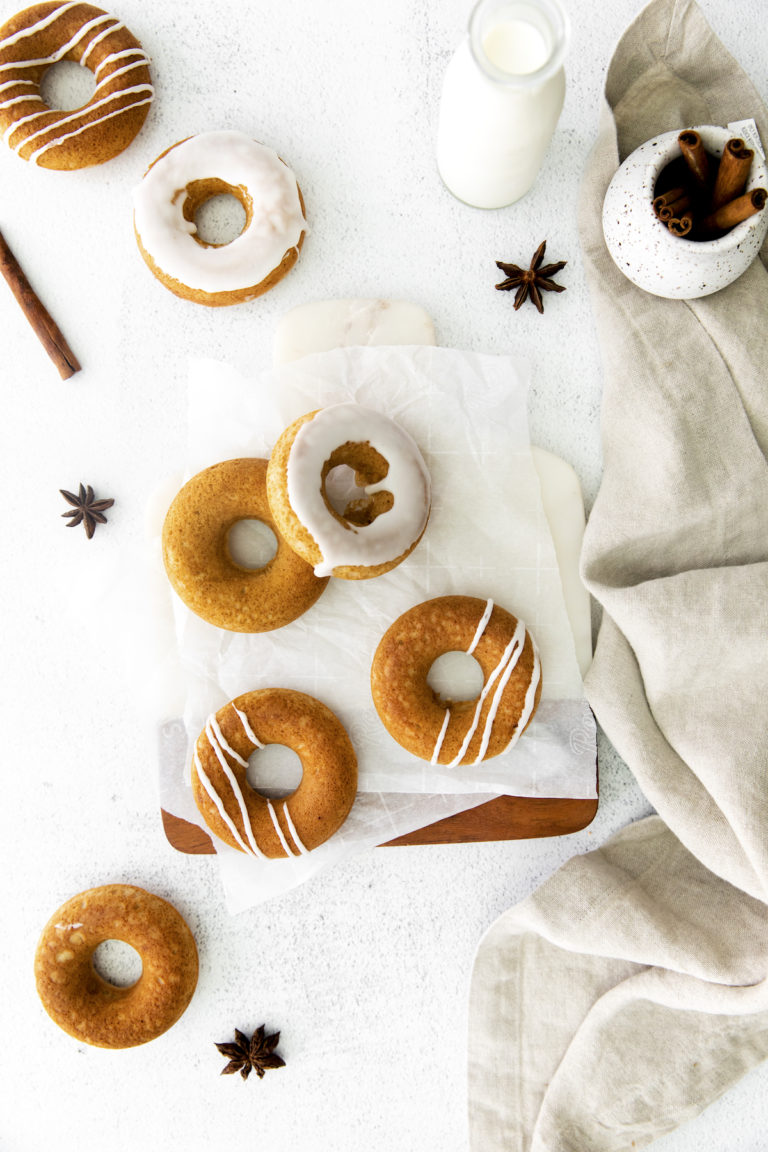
x=86, y=1006
x=456, y=732
x=38, y=37
x=385, y=519
x=201, y=569
x=180, y=181
x=241, y=816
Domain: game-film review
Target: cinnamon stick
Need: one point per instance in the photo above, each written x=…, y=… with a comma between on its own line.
x=680, y=226
x=42, y=323
x=695, y=155
x=729, y=215
x=732, y=173
x=674, y=207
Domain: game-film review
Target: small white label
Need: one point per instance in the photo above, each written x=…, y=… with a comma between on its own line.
x=747, y=129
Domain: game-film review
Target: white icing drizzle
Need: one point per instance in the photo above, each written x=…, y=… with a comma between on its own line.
x=481, y=627
x=392, y=533
x=16, y=84
x=97, y=40
x=223, y=743
x=118, y=112
x=276, y=224
x=120, y=72
x=247, y=728
x=441, y=736
x=234, y=786
x=278, y=829
x=218, y=802
x=60, y=52
x=21, y=99
x=77, y=116
x=502, y=672
x=511, y=655
x=530, y=698
x=37, y=27
x=294, y=834
x=122, y=56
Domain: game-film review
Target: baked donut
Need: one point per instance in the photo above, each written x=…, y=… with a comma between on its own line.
x=201, y=569
x=88, y=1007
x=175, y=186
x=38, y=37
x=241, y=816
x=378, y=528
x=446, y=731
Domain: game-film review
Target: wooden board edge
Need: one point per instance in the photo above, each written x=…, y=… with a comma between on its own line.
x=503, y=818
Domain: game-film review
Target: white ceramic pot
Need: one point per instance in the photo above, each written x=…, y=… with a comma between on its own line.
x=644, y=248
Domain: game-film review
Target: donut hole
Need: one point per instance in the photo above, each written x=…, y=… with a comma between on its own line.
x=274, y=771
x=456, y=678
x=348, y=469
x=251, y=544
x=220, y=212
x=67, y=86
x=117, y=963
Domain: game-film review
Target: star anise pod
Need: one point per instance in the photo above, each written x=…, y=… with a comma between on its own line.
x=530, y=281
x=257, y=1054
x=85, y=509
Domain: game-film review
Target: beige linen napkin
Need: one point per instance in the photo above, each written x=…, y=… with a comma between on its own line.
x=632, y=988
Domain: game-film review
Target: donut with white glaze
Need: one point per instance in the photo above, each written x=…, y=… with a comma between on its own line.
x=241, y=816
x=386, y=517
x=88, y=1007
x=181, y=180
x=201, y=569
x=456, y=732
x=40, y=36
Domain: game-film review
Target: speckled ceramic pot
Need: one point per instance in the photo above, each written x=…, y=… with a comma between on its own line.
x=648, y=253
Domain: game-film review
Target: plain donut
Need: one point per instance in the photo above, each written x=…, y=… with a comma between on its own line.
x=88, y=1007
x=200, y=568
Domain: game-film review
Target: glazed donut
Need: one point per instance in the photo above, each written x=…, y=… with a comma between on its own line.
x=38, y=37
x=86, y=1006
x=190, y=172
x=456, y=732
x=374, y=532
x=200, y=568
x=241, y=816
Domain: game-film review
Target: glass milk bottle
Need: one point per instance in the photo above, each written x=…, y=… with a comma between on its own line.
x=502, y=96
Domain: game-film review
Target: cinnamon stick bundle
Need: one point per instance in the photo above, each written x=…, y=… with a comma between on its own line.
x=732, y=213
x=732, y=172
x=695, y=156
x=42, y=323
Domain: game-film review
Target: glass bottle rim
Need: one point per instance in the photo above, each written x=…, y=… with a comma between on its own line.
x=559, y=27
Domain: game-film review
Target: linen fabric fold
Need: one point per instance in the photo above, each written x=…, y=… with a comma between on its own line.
x=632, y=988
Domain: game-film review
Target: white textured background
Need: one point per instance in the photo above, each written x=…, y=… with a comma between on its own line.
x=364, y=970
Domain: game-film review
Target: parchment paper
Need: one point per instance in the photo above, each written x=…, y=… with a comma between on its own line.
x=487, y=537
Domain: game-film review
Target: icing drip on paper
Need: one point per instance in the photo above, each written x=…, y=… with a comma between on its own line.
x=276, y=223
x=502, y=672
x=393, y=532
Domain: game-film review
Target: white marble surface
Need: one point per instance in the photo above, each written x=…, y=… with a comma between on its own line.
x=364, y=970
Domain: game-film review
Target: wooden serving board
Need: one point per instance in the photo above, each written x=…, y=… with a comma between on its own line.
x=504, y=818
